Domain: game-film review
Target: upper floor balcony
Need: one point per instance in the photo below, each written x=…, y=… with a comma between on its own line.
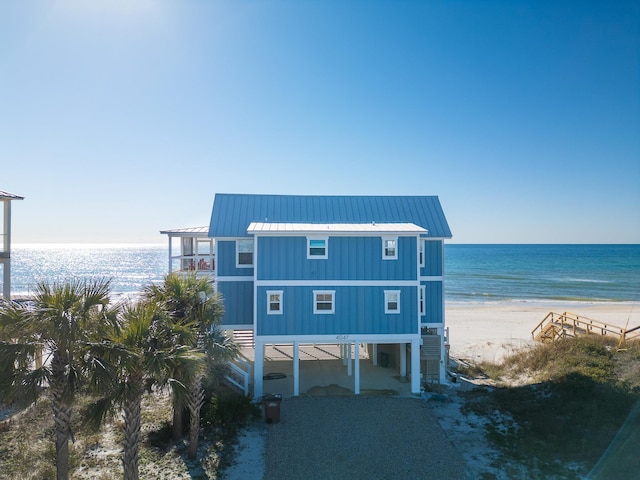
x=191, y=250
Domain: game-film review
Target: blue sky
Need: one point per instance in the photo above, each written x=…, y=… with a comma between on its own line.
x=119, y=119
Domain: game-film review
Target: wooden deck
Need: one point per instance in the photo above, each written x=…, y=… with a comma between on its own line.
x=560, y=325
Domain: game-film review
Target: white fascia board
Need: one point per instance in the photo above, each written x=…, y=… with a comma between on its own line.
x=432, y=279
x=338, y=338
x=335, y=229
x=335, y=234
x=337, y=283
x=238, y=278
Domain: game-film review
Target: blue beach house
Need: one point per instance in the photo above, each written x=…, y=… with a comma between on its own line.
x=358, y=271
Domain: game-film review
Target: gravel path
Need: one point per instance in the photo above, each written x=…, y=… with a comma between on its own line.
x=359, y=438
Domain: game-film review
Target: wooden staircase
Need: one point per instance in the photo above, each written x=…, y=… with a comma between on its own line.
x=560, y=325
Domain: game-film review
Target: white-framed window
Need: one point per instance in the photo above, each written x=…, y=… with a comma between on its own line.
x=421, y=255
x=274, y=302
x=392, y=301
x=422, y=299
x=324, y=301
x=317, y=247
x=244, y=253
x=389, y=248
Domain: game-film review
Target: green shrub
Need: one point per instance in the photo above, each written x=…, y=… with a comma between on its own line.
x=229, y=409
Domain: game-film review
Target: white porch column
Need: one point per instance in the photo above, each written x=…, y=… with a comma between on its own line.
x=374, y=352
x=258, y=369
x=170, y=252
x=403, y=359
x=296, y=369
x=6, y=280
x=356, y=386
x=6, y=249
x=349, y=362
x=415, y=366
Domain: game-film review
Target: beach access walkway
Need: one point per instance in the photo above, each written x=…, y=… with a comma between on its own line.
x=560, y=325
x=364, y=437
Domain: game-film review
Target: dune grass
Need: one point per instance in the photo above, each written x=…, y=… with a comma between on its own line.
x=561, y=423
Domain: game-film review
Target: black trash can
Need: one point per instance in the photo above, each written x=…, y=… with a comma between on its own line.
x=271, y=404
x=384, y=359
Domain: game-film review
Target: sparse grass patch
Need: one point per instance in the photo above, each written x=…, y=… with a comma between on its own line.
x=27, y=449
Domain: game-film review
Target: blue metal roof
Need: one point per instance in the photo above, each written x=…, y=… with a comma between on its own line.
x=232, y=213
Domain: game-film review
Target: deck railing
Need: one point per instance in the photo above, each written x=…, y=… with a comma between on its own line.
x=194, y=263
x=556, y=325
x=239, y=374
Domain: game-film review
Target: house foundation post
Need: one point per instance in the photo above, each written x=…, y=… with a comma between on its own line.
x=403, y=359
x=356, y=387
x=296, y=369
x=415, y=366
x=258, y=369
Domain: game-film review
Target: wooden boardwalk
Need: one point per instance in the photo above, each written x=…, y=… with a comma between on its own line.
x=560, y=325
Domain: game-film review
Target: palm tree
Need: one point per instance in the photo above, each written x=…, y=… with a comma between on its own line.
x=61, y=320
x=139, y=353
x=191, y=299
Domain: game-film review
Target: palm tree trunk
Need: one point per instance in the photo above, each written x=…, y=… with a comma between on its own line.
x=195, y=399
x=131, y=433
x=62, y=418
x=61, y=415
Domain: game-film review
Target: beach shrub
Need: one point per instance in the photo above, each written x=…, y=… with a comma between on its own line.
x=230, y=410
x=585, y=391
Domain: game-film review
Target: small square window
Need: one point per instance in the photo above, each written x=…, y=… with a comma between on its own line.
x=317, y=248
x=323, y=301
x=274, y=302
x=390, y=248
x=244, y=251
x=392, y=301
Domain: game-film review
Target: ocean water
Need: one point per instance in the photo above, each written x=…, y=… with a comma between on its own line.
x=542, y=273
x=473, y=273
x=129, y=266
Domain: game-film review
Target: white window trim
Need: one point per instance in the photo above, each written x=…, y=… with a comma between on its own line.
x=387, y=295
x=422, y=295
x=326, y=248
x=280, y=306
x=253, y=253
x=384, y=250
x=315, y=302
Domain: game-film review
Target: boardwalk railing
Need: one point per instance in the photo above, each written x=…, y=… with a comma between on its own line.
x=560, y=325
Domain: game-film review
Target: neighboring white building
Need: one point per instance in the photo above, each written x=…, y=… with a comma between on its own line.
x=5, y=241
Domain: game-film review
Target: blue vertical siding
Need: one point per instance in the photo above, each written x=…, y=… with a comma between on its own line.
x=358, y=310
x=226, y=261
x=432, y=259
x=237, y=298
x=350, y=258
x=433, y=302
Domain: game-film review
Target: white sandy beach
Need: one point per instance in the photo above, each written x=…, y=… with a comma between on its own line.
x=491, y=331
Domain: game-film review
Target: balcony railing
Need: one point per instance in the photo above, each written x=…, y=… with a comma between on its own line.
x=194, y=263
